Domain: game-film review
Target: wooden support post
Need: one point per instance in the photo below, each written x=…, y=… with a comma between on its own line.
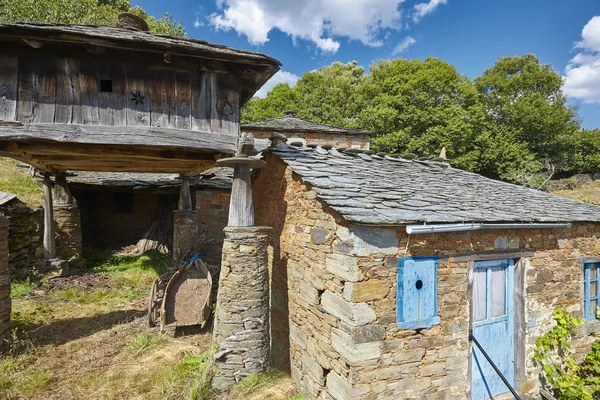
x=49, y=239
x=62, y=193
x=241, y=205
x=185, y=195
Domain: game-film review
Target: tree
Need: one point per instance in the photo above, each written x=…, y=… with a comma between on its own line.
x=525, y=98
x=422, y=106
x=332, y=95
x=86, y=12
x=280, y=99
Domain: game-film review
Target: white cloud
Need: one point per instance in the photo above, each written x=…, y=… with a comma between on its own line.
x=422, y=9
x=318, y=21
x=404, y=45
x=582, y=74
x=279, y=77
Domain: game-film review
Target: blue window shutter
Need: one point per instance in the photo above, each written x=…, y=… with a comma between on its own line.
x=416, y=304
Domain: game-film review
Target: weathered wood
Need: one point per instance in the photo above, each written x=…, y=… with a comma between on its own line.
x=137, y=97
x=228, y=100
x=241, y=206
x=37, y=91
x=112, y=104
x=62, y=193
x=161, y=92
x=201, y=103
x=88, y=92
x=215, y=124
x=183, y=100
x=67, y=92
x=148, y=137
x=8, y=87
x=185, y=195
x=49, y=239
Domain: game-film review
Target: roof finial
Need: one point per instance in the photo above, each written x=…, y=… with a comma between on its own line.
x=443, y=153
x=290, y=113
x=132, y=21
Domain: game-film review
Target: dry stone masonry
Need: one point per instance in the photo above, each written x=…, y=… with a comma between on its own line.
x=242, y=314
x=5, y=304
x=68, y=233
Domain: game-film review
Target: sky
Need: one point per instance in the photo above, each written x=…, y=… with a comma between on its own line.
x=469, y=34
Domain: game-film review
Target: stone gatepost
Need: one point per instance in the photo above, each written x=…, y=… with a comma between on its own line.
x=5, y=304
x=68, y=233
x=242, y=315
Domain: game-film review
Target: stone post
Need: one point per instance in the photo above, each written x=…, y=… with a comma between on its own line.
x=242, y=314
x=67, y=222
x=5, y=304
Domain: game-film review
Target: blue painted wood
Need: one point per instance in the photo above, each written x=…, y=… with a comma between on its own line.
x=416, y=302
x=496, y=336
x=588, y=297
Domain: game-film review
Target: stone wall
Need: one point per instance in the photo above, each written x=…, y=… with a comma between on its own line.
x=25, y=236
x=212, y=208
x=333, y=294
x=355, y=141
x=67, y=222
x=185, y=231
x=5, y=303
x=242, y=312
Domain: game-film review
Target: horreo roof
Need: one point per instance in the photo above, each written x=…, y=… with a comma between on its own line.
x=290, y=123
x=369, y=189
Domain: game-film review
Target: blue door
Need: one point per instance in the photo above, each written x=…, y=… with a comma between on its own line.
x=493, y=327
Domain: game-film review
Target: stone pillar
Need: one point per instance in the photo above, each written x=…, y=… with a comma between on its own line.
x=242, y=315
x=67, y=222
x=5, y=304
x=185, y=231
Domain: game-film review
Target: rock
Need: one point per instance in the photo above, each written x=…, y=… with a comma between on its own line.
x=344, y=267
x=359, y=292
x=352, y=313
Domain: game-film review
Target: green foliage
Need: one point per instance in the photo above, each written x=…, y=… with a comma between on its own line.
x=202, y=369
x=22, y=288
x=280, y=99
x=571, y=381
x=582, y=151
x=87, y=12
x=252, y=382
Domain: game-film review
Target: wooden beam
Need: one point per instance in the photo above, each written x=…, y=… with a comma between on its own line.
x=185, y=196
x=62, y=193
x=241, y=206
x=49, y=239
x=141, y=136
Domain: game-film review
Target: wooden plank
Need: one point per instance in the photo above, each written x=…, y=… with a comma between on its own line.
x=67, y=92
x=241, y=206
x=202, y=105
x=88, y=88
x=112, y=104
x=62, y=193
x=137, y=99
x=144, y=137
x=37, y=91
x=185, y=196
x=215, y=121
x=9, y=74
x=195, y=100
x=183, y=100
x=228, y=104
x=49, y=239
x=161, y=89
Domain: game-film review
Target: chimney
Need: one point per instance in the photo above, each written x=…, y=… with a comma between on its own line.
x=289, y=113
x=132, y=21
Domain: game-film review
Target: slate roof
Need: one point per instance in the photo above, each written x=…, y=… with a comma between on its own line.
x=290, y=123
x=368, y=189
x=217, y=178
x=6, y=197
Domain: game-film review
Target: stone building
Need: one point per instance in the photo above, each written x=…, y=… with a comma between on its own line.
x=308, y=132
x=381, y=267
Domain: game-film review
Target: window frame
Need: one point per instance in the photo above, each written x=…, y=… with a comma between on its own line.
x=487, y=266
x=587, y=296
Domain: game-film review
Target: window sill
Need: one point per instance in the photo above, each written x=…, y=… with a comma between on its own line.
x=424, y=323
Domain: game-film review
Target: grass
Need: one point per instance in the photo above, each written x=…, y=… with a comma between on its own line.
x=17, y=181
x=22, y=288
x=589, y=193
x=253, y=382
x=143, y=341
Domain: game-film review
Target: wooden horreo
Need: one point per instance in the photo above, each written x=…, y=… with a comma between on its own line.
x=89, y=98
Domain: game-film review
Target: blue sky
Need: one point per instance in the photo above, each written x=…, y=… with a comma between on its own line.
x=469, y=34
